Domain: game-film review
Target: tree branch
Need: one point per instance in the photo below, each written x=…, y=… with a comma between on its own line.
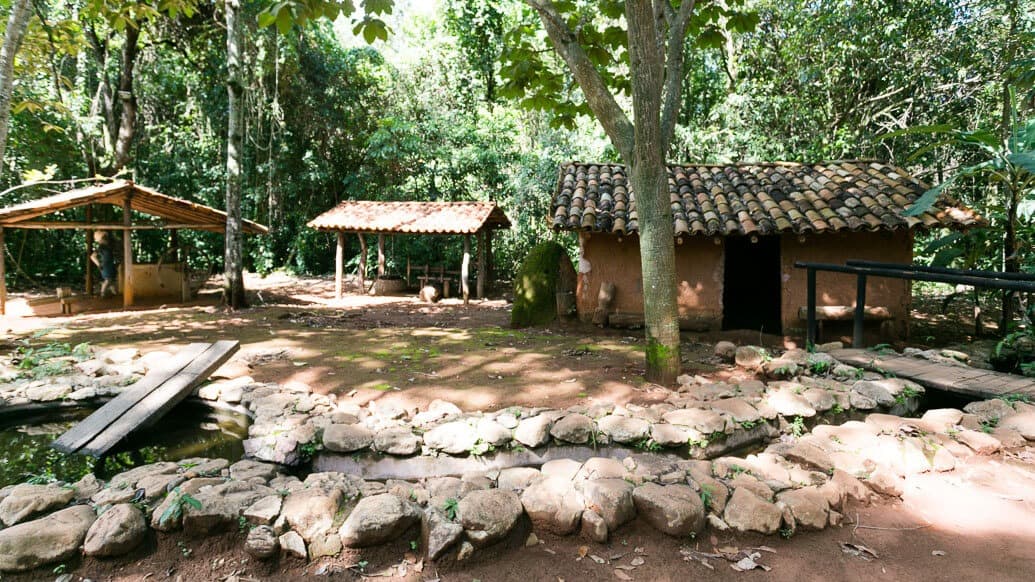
x=599, y=98
x=677, y=25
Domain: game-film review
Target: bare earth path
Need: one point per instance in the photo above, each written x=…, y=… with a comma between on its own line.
x=983, y=520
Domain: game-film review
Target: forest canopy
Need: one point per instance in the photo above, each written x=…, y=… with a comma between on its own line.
x=464, y=100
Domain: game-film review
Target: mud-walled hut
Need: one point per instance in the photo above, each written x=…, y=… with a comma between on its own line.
x=739, y=229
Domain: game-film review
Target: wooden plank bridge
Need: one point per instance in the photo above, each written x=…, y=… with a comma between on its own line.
x=146, y=401
x=975, y=382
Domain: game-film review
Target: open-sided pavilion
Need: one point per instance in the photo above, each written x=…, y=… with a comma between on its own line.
x=166, y=212
x=467, y=219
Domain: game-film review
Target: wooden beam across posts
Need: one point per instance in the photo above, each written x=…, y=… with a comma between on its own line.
x=465, y=270
x=3, y=274
x=89, y=250
x=481, y=265
x=339, y=264
x=127, y=254
x=362, y=263
x=69, y=225
x=380, y=256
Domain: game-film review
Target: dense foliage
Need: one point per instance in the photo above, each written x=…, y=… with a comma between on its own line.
x=465, y=100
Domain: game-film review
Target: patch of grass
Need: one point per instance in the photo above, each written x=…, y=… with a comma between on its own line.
x=648, y=444
x=837, y=409
x=749, y=424
x=381, y=386
x=480, y=448
x=706, y=496
x=450, y=507
x=988, y=426
x=797, y=426
x=1012, y=398
x=175, y=509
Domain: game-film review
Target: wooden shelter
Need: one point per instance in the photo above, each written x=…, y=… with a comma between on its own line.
x=362, y=217
x=172, y=214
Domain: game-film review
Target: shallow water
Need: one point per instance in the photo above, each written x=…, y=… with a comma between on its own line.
x=189, y=430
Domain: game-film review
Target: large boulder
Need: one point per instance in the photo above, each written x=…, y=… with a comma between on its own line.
x=488, y=515
x=378, y=519
x=808, y=505
x=53, y=538
x=574, y=428
x=220, y=506
x=26, y=500
x=311, y=512
x=534, y=432
x=397, y=441
x=453, y=438
x=611, y=499
x=553, y=505
x=545, y=273
x=346, y=438
x=676, y=510
x=438, y=533
x=746, y=512
x=116, y=532
x=624, y=429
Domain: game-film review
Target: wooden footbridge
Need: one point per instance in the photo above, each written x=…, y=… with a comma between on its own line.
x=146, y=401
x=974, y=382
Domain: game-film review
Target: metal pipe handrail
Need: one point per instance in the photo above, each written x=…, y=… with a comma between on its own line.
x=943, y=270
x=864, y=269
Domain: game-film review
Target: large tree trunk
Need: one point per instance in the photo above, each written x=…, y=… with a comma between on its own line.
x=128, y=100
x=18, y=21
x=649, y=177
x=233, y=286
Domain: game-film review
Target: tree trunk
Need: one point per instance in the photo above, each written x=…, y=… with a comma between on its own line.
x=18, y=21
x=233, y=285
x=649, y=178
x=128, y=100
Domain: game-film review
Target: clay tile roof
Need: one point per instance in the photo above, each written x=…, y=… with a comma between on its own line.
x=416, y=217
x=762, y=198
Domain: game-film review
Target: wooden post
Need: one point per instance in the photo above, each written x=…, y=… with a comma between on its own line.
x=380, y=256
x=89, y=251
x=465, y=269
x=362, y=263
x=127, y=255
x=860, y=311
x=3, y=274
x=810, y=306
x=481, y=265
x=490, y=262
x=339, y=264
x=174, y=242
x=408, y=271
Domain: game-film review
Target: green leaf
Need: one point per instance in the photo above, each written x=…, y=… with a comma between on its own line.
x=927, y=200
x=1025, y=160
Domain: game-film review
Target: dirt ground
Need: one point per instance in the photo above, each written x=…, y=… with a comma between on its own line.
x=979, y=525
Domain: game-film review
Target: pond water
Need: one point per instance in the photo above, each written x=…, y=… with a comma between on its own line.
x=189, y=430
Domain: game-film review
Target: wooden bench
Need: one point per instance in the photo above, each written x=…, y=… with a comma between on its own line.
x=843, y=313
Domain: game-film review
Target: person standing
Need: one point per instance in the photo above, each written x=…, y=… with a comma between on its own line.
x=104, y=258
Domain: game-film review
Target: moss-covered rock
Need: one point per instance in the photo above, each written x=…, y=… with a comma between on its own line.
x=546, y=271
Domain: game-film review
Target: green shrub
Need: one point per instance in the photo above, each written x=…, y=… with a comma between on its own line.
x=535, y=286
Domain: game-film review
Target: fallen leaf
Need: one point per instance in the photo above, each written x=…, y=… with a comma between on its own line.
x=622, y=575
x=532, y=540
x=613, y=557
x=938, y=553
x=597, y=559
x=624, y=567
x=583, y=550
x=858, y=550
x=550, y=551
x=637, y=561
x=638, y=549
x=730, y=550
x=765, y=549
x=748, y=563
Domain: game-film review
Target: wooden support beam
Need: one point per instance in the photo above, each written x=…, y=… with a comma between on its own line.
x=362, y=263
x=490, y=268
x=860, y=311
x=481, y=265
x=810, y=309
x=3, y=275
x=339, y=264
x=380, y=256
x=127, y=254
x=465, y=269
x=63, y=225
x=89, y=251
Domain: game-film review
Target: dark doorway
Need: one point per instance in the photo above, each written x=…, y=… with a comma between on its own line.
x=751, y=286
